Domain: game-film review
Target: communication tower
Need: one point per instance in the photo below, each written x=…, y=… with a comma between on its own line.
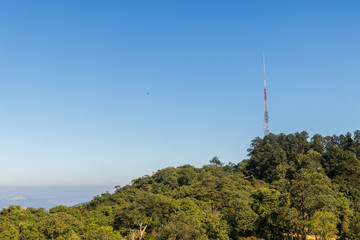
x=266, y=113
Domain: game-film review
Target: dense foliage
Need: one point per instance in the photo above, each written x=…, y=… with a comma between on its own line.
x=290, y=187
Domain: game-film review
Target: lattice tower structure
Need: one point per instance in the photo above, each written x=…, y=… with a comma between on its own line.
x=266, y=113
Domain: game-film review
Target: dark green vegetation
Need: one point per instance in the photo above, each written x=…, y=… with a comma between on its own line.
x=290, y=187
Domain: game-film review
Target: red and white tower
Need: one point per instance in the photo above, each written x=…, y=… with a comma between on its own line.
x=266, y=114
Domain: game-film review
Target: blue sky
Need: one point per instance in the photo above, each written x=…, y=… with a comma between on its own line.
x=102, y=92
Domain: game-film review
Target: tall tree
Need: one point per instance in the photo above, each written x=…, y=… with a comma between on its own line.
x=311, y=191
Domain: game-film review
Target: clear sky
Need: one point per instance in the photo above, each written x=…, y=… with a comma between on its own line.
x=102, y=92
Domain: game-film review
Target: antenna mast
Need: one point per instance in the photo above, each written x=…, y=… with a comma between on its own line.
x=266, y=114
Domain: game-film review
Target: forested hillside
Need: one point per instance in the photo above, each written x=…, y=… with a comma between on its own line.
x=291, y=186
